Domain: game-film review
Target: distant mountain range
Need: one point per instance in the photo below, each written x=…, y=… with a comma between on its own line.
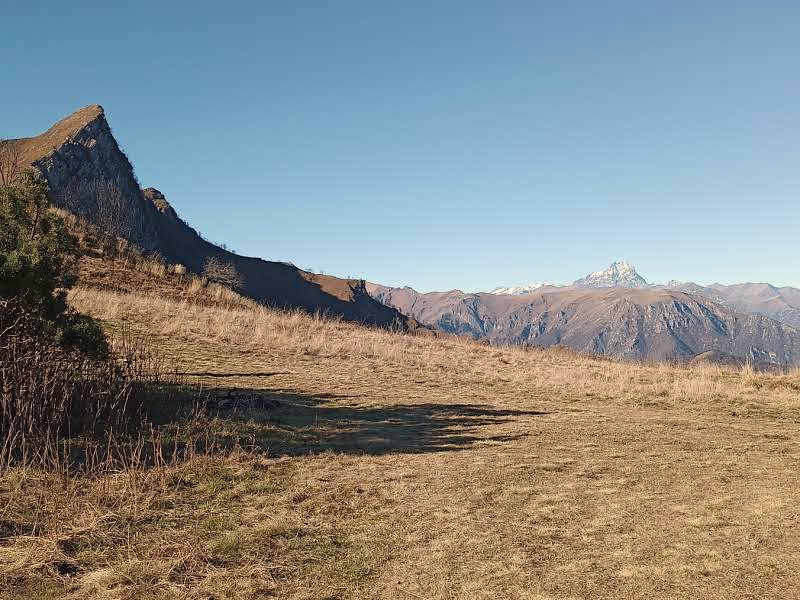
x=618, y=274
x=780, y=303
x=616, y=312
x=520, y=289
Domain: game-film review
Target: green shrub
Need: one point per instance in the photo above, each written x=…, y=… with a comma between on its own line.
x=38, y=265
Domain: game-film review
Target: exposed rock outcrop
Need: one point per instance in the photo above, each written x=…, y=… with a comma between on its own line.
x=89, y=175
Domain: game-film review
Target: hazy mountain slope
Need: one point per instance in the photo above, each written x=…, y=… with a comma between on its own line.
x=88, y=174
x=780, y=303
x=648, y=323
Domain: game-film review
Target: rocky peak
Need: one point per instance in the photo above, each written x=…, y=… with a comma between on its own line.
x=619, y=274
x=88, y=174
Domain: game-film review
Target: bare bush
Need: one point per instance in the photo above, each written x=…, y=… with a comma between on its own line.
x=63, y=412
x=11, y=165
x=223, y=273
x=153, y=264
x=48, y=394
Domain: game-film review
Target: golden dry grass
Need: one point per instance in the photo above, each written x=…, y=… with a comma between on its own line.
x=388, y=466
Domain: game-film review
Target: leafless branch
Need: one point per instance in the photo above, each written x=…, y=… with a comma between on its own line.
x=10, y=162
x=223, y=273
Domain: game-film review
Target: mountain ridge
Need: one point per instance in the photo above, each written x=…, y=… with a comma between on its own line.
x=89, y=175
x=778, y=302
x=631, y=323
x=619, y=274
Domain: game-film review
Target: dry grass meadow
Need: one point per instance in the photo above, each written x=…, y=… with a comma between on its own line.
x=374, y=465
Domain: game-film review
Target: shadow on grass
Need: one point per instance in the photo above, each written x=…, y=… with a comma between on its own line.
x=280, y=424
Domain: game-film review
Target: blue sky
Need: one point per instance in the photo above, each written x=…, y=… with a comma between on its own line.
x=447, y=144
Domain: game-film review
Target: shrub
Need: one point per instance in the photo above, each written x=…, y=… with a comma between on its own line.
x=38, y=264
x=57, y=374
x=49, y=395
x=224, y=273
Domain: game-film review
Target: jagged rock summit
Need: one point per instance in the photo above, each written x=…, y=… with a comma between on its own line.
x=81, y=160
x=88, y=174
x=620, y=274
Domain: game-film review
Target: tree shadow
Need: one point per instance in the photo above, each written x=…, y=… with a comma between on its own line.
x=294, y=424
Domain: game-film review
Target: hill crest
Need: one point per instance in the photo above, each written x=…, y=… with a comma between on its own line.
x=90, y=176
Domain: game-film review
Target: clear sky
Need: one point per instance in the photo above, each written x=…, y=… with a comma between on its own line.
x=444, y=144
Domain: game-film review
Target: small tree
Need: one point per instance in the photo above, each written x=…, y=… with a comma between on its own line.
x=38, y=264
x=223, y=273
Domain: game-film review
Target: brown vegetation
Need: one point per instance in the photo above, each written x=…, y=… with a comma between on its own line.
x=47, y=393
x=377, y=465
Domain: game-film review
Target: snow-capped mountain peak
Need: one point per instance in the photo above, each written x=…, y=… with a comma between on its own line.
x=619, y=274
x=519, y=289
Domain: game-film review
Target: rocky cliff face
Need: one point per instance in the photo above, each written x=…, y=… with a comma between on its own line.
x=88, y=174
x=653, y=324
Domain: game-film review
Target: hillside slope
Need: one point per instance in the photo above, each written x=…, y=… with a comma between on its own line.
x=386, y=466
x=90, y=176
x=649, y=323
